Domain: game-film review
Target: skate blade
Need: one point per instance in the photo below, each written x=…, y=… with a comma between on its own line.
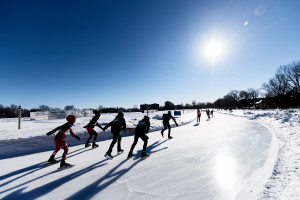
x=65, y=167
x=51, y=163
x=107, y=156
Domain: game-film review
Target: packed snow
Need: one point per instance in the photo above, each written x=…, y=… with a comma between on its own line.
x=243, y=154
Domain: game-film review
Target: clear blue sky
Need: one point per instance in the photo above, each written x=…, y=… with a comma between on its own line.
x=125, y=53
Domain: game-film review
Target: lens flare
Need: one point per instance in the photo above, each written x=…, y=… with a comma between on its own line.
x=246, y=23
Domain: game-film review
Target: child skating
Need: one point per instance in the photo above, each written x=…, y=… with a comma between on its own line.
x=116, y=125
x=90, y=129
x=166, y=123
x=60, y=140
x=140, y=132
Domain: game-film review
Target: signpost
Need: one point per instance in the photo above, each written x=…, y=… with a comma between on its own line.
x=19, y=115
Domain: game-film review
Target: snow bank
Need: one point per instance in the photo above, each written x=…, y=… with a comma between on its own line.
x=31, y=137
x=284, y=179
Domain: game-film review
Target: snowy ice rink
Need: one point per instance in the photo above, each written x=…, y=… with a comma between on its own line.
x=237, y=155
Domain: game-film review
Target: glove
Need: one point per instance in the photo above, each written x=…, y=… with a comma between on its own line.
x=77, y=137
x=49, y=133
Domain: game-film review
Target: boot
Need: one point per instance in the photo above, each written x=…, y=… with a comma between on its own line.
x=64, y=164
x=108, y=155
x=120, y=150
x=129, y=155
x=51, y=159
x=144, y=154
x=95, y=145
x=87, y=145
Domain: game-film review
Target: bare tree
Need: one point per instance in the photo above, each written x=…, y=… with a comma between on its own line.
x=14, y=109
x=253, y=93
x=234, y=94
x=292, y=74
x=277, y=85
x=243, y=94
x=194, y=102
x=44, y=108
x=69, y=107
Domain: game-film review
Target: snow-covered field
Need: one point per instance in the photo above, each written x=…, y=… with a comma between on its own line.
x=235, y=155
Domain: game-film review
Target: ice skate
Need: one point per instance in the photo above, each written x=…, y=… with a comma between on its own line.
x=87, y=145
x=144, y=154
x=95, y=145
x=109, y=156
x=129, y=155
x=120, y=151
x=64, y=164
x=52, y=160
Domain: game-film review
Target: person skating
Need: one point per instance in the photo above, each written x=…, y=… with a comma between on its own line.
x=166, y=123
x=90, y=129
x=140, y=132
x=60, y=140
x=208, y=113
x=116, y=125
x=198, y=115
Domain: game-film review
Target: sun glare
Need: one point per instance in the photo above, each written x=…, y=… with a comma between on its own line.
x=214, y=49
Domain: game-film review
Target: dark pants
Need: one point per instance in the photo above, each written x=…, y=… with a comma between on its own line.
x=116, y=137
x=92, y=133
x=143, y=136
x=198, y=118
x=167, y=126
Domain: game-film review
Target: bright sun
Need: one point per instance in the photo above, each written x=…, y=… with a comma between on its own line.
x=214, y=49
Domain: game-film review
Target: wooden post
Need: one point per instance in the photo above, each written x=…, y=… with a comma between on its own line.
x=147, y=111
x=19, y=116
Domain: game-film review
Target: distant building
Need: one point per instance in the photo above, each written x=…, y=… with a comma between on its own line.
x=169, y=105
x=153, y=106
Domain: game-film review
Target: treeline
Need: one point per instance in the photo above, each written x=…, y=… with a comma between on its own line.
x=281, y=91
x=12, y=110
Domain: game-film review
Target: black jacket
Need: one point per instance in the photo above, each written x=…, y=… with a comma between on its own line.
x=93, y=123
x=167, y=117
x=143, y=126
x=116, y=125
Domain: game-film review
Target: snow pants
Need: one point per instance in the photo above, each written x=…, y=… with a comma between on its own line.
x=61, y=144
x=198, y=118
x=116, y=137
x=92, y=133
x=138, y=135
x=167, y=126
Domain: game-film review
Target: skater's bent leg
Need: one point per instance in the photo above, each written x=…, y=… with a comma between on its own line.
x=119, y=142
x=95, y=136
x=112, y=144
x=145, y=139
x=169, y=127
x=58, y=145
x=136, y=137
x=66, y=150
x=88, y=140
